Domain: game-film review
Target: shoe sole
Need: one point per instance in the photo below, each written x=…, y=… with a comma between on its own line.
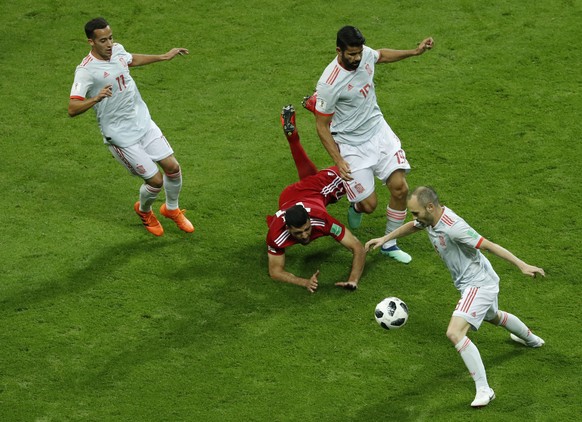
x=287, y=114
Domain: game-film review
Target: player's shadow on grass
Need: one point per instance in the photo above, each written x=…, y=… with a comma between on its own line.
x=397, y=402
x=98, y=269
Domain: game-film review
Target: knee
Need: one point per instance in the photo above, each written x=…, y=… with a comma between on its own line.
x=454, y=336
x=157, y=181
x=368, y=205
x=172, y=168
x=399, y=189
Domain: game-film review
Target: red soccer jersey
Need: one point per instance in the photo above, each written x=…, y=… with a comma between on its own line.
x=315, y=193
x=326, y=187
x=322, y=224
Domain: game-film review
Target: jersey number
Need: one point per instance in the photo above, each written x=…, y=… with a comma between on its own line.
x=400, y=157
x=365, y=90
x=121, y=82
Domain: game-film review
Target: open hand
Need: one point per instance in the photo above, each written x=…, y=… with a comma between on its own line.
x=311, y=284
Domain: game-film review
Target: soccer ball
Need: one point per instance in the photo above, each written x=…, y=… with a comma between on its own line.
x=391, y=313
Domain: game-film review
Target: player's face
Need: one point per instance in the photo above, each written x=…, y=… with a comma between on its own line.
x=301, y=234
x=102, y=43
x=424, y=215
x=351, y=57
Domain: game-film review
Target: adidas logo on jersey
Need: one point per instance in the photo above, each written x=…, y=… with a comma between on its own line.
x=105, y=74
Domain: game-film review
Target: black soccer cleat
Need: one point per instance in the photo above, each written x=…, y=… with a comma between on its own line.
x=288, y=119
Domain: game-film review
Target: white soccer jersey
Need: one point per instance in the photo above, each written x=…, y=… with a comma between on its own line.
x=350, y=97
x=124, y=117
x=458, y=245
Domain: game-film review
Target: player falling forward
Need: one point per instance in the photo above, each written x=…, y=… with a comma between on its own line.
x=102, y=82
x=302, y=216
x=354, y=132
x=460, y=248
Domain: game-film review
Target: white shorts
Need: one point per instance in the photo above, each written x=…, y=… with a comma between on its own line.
x=478, y=304
x=380, y=156
x=140, y=158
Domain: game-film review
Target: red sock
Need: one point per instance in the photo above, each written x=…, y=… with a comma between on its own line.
x=304, y=165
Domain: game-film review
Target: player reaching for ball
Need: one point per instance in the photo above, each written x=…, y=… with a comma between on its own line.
x=102, y=82
x=302, y=215
x=460, y=248
x=354, y=132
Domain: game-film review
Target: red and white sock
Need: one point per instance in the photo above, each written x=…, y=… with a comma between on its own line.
x=173, y=186
x=394, y=219
x=147, y=196
x=514, y=325
x=472, y=358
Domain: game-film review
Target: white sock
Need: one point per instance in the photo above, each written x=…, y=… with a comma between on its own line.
x=173, y=186
x=394, y=219
x=514, y=325
x=147, y=196
x=472, y=358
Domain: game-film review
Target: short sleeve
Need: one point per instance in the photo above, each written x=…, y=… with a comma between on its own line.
x=462, y=233
x=376, y=55
x=326, y=99
x=336, y=229
x=124, y=54
x=81, y=84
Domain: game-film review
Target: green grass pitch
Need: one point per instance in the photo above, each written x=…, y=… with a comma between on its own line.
x=100, y=321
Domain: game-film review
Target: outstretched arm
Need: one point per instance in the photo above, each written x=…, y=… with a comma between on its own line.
x=277, y=272
x=388, y=55
x=501, y=252
x=401, y=231
x=143, y=59
x=355, y=246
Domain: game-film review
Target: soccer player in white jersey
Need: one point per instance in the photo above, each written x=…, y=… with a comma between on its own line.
x=102, y=82
x=355, y=133
x=460, y=247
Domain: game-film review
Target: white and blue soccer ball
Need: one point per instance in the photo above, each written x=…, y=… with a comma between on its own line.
x=391, y=313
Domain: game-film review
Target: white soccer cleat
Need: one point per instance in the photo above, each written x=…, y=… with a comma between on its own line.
x=396, y=254
x=483, y=397
x=539, y=343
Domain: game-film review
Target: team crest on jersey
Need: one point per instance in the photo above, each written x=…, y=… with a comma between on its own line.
x=368, y=69
x=442, y=241
x=140, y=169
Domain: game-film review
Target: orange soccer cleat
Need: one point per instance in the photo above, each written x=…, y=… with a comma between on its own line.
x=179, y=218
x=149, y=221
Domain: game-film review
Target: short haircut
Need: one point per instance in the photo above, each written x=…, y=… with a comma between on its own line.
x=349, y=36
x=93, y=24
x=296, y=216
x=425, y=195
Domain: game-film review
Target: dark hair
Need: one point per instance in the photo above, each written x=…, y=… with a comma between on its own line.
x=93, y=24
x=425, y=195
x=349, y=36
x=296, y=216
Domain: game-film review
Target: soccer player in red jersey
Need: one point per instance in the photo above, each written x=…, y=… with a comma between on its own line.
x=302, y=216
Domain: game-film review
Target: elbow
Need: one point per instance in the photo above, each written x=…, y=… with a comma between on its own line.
x=72, y=112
